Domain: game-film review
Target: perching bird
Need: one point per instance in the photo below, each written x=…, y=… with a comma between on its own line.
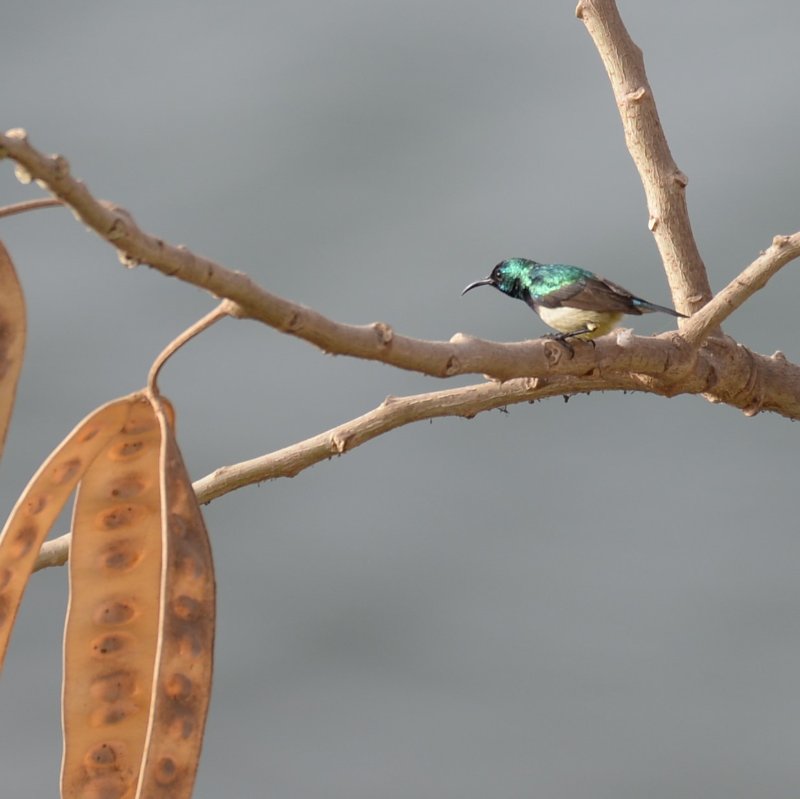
x=574, y=301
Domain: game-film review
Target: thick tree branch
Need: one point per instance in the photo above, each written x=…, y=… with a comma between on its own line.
x=664, y=184
x=726, y=372
x=461, y=355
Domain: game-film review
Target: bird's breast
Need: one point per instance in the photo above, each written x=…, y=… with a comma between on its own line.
x=565, y=320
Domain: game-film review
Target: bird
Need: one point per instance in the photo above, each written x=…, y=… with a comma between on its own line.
x=572, y=300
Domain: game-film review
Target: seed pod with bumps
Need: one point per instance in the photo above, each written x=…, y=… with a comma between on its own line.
x=138, y=647
x=42, y=500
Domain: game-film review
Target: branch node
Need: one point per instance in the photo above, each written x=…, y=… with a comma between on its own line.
x=711, y=382
x=754, y=409
x=780, y=242
x=293, y=323
x=128, y=261
x=233, y=309
x=753, y=388
x=680, y=178
x=624, y=337
x=652, y=223
x=554, y=352
x=452, y=366
x=18, y=134
x=680, y=343
x=117, y=230
x=778, y=356
x=636, y=96
x=22, y=174
x=339, y=441
x=579, y=9
x=383, y=332
x=390, y=400
x=60, y=167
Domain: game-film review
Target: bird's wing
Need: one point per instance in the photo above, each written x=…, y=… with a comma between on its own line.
x=591, y=294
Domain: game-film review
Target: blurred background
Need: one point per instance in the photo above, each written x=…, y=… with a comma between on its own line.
x=597, y=599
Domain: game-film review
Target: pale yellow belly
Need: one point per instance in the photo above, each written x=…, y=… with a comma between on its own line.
x=565, y=320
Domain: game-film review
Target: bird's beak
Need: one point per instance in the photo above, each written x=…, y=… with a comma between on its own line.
x=487, y=281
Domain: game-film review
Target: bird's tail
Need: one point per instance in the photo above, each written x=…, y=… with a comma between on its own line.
x=650, y=307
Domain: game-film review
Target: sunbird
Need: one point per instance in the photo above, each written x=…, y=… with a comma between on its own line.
x=574, y=301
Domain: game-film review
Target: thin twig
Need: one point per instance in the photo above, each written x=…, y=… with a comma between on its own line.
x=392, y=413
x=783, y=250
x=222, y=310
x=29, y=205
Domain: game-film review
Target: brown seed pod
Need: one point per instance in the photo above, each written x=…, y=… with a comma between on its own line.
x=12, y=339
x=112, y=629
x=42, y=500
x=138, y=644
x=182, y=686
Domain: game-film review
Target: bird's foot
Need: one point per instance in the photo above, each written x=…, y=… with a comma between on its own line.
x=561, y=338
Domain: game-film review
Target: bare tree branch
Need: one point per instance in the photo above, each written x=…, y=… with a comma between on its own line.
x=461, y=355
x=751, y=280
x=726, y=372
x=392, y=413
x=664, y=184
x=723, y=373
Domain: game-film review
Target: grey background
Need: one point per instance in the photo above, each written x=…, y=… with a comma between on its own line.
x=596, y=599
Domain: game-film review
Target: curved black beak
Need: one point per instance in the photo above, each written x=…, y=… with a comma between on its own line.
x=487, y=281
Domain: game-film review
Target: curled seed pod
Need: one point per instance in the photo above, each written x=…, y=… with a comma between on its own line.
x=12, y=339
x=112, y=630
x=42, y=500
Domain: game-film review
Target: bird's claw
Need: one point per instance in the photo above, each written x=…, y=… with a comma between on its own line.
x=561, y=338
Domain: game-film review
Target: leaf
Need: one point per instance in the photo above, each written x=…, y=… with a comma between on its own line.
x=42, y=500
x=12, y=339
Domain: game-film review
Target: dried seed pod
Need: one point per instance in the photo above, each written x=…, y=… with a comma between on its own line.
x=12, y=339
x=139, y=639
x=112, y=629
x=42, y=500
x=182, y=686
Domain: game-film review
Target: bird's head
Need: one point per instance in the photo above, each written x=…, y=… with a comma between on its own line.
x=508, y=276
